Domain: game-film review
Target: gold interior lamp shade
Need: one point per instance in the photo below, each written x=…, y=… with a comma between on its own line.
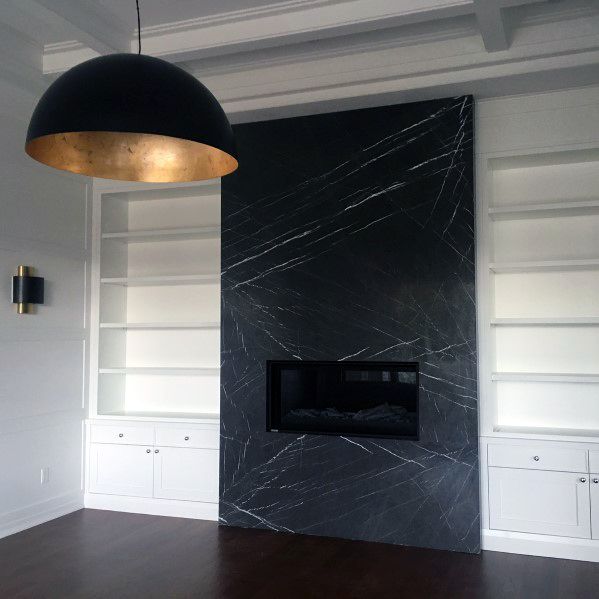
x=135, y=118
x=131, y=156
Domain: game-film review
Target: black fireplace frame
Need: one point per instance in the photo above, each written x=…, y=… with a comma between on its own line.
x=270, y=404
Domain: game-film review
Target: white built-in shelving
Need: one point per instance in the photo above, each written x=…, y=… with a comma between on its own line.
x=160, y=325
x=539, y=232
x=545, y=377
x=545, y=265
x=550, y=321
x=156, y=301
x=171, y=371
x=180, y=233
x=542, y=210
x=151, y=281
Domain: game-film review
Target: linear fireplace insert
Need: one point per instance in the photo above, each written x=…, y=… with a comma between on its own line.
x=373, y=399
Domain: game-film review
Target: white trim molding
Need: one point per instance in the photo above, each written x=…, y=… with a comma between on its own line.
x=541, y=545
x=38, y=513
x=155, y=507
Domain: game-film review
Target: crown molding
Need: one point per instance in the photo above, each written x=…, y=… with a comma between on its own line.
x=276, y=24
x=87, y=22
x=236, y=16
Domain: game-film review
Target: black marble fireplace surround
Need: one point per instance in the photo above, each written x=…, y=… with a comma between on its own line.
x=350, y=236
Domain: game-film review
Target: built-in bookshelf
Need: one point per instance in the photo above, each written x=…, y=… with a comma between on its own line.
x=155, y=341
x=539, y=307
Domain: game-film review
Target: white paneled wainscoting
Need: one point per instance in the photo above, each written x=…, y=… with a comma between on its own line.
x=538, y=319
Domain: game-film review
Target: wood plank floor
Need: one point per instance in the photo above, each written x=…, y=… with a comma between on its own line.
x=93, y=553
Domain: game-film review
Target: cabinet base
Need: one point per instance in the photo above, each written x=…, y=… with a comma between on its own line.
x=541, y=545
x=155, y=507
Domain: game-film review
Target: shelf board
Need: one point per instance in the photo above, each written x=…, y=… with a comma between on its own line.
x=162, y=280
x=164, y=234
x=550, y=209
x=544, y=265
x=575, y=321
x=159, y=325
x=572, y=434
x=159, y=415
x=161, y=371
x=544, y=377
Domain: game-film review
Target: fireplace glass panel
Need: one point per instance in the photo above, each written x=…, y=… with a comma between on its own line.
x=344, y=398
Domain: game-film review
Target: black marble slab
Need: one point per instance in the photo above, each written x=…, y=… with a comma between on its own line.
x=351, y=236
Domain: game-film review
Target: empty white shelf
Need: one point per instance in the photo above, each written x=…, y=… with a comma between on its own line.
x=544, y=377
x=545, y=209
x=164, y=234
x=161, y=371
x=542, y=431
x=575, y=320
x=160, y=415
x=544, y=265
x=162, y=280
x=159, y=325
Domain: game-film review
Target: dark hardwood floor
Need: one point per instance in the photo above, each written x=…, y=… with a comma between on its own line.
x=108, y=554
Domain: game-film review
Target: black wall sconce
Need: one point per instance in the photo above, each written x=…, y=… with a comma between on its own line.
x=27, y=290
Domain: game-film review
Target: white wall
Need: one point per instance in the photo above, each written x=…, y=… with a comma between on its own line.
x=43, y=223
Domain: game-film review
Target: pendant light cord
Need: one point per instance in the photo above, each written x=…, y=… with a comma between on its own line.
x=138, y=28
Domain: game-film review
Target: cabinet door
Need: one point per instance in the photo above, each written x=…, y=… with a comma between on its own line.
x=538, y=501
x=185, y=473
x=121, y=469
x=595, y=504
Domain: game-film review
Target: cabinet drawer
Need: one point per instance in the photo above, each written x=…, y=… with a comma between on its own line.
x=536, y=457
x=126, y=435
x=202, y=438
x=594, y=461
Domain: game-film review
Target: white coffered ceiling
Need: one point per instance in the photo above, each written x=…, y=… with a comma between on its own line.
x=264, y=58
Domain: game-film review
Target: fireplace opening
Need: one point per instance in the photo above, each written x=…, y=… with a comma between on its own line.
x=374, y=399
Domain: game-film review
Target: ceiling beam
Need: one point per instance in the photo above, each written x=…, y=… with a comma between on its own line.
x=86, y=22
x=492, y=25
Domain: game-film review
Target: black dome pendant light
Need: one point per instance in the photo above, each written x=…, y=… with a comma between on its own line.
x=132, y=117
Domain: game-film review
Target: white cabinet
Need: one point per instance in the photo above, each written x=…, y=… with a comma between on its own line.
x=538, y=501
x=167, y=465
x=595, y=505
x=121, y=469
x=188, y=474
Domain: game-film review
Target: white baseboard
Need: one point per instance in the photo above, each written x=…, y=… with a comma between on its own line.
x=154, y=507
x=38, y=513
x=541, y=545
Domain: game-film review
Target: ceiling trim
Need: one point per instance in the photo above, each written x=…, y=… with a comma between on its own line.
x=89, y=24
x=276, y=24
x=543, y=56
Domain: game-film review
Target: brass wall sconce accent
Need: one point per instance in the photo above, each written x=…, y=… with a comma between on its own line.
x=27, y=290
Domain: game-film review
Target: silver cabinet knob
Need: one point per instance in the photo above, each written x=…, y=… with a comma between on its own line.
x=596, y=480
x=187, y=438
x=583, y=479
x=148, y=451
x=156, y=451
x=536, y=458
x=120, y=434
